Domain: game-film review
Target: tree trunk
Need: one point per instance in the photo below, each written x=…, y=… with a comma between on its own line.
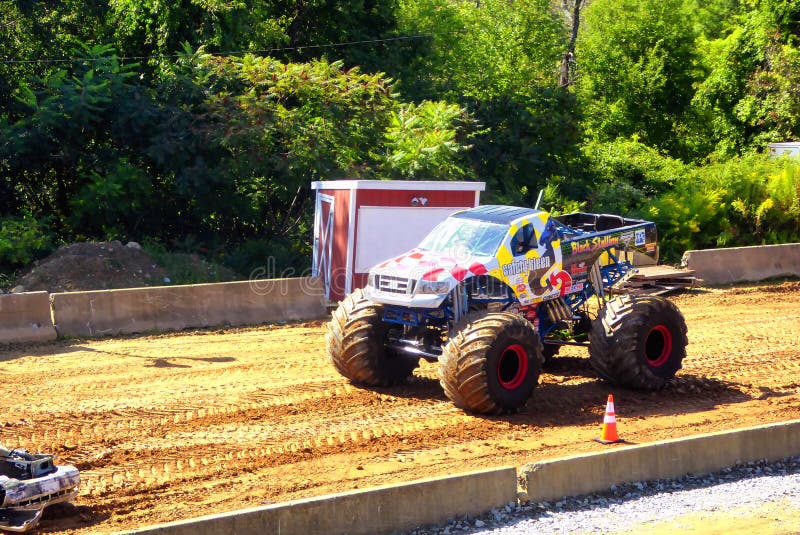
x=567, y=75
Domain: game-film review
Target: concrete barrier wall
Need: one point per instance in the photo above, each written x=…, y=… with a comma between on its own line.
x=740, y=264
x=583, y=474
x=111, y=312
x=375, y=511
x=26, y=317
x=433, y=501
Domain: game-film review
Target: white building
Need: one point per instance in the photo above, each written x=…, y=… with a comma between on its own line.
x=791, y=148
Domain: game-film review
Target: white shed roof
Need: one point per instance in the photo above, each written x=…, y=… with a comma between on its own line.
x=416, y=185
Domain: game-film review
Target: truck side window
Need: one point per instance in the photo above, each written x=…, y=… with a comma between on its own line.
x=522, y=242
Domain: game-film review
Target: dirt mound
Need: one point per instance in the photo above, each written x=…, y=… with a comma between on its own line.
x=94, y=266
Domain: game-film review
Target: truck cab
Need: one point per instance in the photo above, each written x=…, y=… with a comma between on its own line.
x=533, y=256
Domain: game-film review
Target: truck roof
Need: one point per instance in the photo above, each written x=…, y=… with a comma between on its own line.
x=492, y=213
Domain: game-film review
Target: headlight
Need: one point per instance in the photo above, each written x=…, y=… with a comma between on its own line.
x=433, y=287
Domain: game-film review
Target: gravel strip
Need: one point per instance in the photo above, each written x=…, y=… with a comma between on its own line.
x=656, y=500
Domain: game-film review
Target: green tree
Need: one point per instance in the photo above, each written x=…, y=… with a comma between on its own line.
x=526, y=142
x=500, y=60
x=635, y=77
x=481, y=49
x=261, y=130
x=295, y=29
x=33, y=35
x=45, y=152
x=423, y=141
x=749, y=95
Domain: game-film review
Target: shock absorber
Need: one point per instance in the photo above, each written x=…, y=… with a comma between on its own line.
x=557, y=310
x=459, y=300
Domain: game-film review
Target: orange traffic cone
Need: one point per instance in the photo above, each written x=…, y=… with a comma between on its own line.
x=609, y=434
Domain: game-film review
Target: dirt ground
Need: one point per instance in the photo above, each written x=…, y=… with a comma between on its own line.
x=175, y=426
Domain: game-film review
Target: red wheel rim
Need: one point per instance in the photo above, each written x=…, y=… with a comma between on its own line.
x=512, y=367
x=658, y=346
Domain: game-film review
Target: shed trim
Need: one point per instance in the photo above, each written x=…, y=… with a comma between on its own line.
x=400, y=185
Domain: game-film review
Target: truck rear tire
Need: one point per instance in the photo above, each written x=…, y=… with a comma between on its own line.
x=492, y=365
x=638, y=342
x=356, y=344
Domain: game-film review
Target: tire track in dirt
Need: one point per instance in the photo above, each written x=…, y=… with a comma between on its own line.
x=66, y=431
x=249, y=422
x=114, y=470
x=754, y=336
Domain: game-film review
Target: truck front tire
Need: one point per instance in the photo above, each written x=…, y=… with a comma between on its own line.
x=356, y=344
x=492, y=365
x=638, y=342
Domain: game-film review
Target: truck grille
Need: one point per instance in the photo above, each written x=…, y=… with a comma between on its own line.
x=394, y=285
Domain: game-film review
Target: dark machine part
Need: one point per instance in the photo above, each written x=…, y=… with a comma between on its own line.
x=28, y=484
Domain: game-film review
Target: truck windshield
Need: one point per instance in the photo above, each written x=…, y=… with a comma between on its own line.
x=459, y=237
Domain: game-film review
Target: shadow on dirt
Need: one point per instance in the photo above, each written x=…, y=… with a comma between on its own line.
x=163, y=362
x=67, y=516
x=551, y=403
x=416, y=387
x=9, y=352
x=150, y=361
x=570, y=394
x=168, y=362
x=568, y=366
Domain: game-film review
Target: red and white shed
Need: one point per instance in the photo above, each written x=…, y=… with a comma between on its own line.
x=360, y=223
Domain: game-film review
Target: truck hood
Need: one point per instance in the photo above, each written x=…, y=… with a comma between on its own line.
x=421, y=278
x=419, y=264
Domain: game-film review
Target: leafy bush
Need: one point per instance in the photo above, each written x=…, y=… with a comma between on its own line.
x=187, y=268
x=108, y=204
x=745, y=201
x=762, y=194
x=269, y=258
x=626, y=175
x=23, y=240
x=688, y=218
x=422, y=141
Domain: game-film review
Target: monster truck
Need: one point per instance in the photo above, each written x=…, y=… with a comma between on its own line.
x=492, y=293
x=28, y=484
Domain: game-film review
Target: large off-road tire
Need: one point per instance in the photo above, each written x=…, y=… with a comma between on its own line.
x=492, y=364
x=638, y=342
x=356, y=344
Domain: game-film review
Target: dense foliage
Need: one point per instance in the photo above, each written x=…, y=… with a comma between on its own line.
x=198, y=125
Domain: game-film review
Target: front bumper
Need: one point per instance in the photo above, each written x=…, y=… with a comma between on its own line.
x=23, y=501
x=404, y=300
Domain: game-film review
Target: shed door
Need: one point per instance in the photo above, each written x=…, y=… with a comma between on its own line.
x=387, y=231
x=323, y=240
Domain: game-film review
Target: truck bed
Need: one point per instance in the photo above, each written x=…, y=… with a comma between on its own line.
x=585, y=236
